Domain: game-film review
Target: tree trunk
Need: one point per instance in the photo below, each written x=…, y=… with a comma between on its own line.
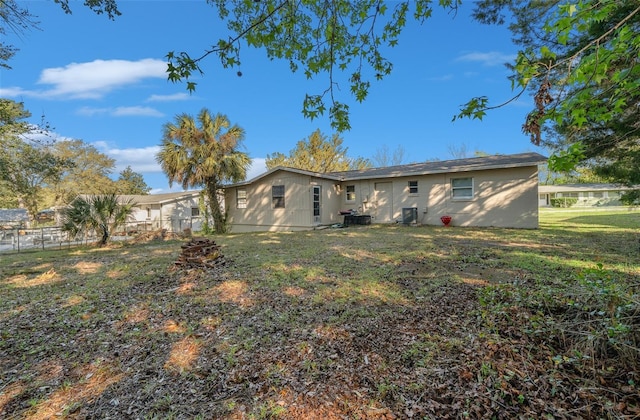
x=219, y=222
x=105, y=235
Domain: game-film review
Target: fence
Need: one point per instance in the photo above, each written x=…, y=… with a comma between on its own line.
x=19, y=239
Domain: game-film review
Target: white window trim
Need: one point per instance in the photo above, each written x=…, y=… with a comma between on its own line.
x=238, y=198
x=417, y=187
x=347, y=194
x=465, y=198
x=283, y=196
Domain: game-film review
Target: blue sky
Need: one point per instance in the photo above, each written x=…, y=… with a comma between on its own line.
x=104, y=82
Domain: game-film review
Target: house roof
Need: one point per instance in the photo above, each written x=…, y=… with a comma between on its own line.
x=155, y=198
x=581, y=188
x=287, y=169
x=161, y=198
x=425, y=168
x=447, y=166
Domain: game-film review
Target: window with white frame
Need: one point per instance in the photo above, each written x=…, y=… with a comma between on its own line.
x=413, y=187
x=462, y=188
x=195, y=212
x=351, y=193
x=277, y=196
x=241, y=198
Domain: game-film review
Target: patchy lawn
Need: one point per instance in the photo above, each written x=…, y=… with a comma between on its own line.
x=364, y=322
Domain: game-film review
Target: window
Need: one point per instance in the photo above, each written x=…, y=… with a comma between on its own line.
x=195, y=212
x=462, y=188
x=316, y=202
x=277, y=196
x=413, y=187
x=351, y=193
x=597, y=194
x=241, y=198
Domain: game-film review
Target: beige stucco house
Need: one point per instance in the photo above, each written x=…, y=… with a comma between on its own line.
x=173, y=211
x=499, y=191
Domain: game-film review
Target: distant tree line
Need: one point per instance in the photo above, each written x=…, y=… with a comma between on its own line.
x=37, y=172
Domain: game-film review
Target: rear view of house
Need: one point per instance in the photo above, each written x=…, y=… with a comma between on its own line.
x=499, y=191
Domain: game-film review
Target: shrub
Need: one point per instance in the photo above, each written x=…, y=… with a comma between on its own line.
x=563, y=202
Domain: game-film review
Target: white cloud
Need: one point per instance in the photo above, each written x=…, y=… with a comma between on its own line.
x=122, y=111
x=136, y=111
x=141, y=159
x=96, y=78
x=492, y=58
x=169, y=98
x=12, y=92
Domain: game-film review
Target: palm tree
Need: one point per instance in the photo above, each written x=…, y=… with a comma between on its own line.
x=99, y=213
x=204, y=154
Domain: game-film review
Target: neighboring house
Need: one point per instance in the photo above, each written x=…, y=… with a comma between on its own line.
x=580, y=195
x=11, y=218
x=172, y=211
x=499, y=190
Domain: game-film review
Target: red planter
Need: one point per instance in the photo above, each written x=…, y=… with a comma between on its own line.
x=446, y=220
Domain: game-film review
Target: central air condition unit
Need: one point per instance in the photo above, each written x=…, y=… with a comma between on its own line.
x=409, y=215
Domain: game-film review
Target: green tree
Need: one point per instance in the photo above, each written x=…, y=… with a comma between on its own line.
x=89, y=173
x=130, y=182
x=204, y=153
x=13, y=122
x=581, y=62
x=317, y=153
x=29, y=171
x=102, y=214
x=26, y=167
x=343, y=39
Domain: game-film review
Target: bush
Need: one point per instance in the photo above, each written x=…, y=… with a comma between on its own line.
x=563, y=202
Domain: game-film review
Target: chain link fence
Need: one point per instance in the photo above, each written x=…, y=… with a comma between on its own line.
x=17, y=239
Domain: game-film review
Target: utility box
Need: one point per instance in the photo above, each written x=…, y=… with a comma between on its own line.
x=409, y=215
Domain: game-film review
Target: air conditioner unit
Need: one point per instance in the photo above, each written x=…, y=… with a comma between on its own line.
x=409, y=215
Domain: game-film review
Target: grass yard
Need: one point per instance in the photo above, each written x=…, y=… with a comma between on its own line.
x=370, y=322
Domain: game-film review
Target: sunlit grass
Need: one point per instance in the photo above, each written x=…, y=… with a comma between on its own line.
x=82, y=323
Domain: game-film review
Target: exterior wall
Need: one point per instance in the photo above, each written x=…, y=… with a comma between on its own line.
x=175, y=216
x=502, y=198
x=297, y=214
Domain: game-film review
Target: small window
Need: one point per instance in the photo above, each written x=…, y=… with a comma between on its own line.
x=570, y=195
x=148, y=213
x=351, y=193
x=241, y=198
x=195, y=212
x=462, y=188
x=277, y=196
x=413, y=187
x=598, y=194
